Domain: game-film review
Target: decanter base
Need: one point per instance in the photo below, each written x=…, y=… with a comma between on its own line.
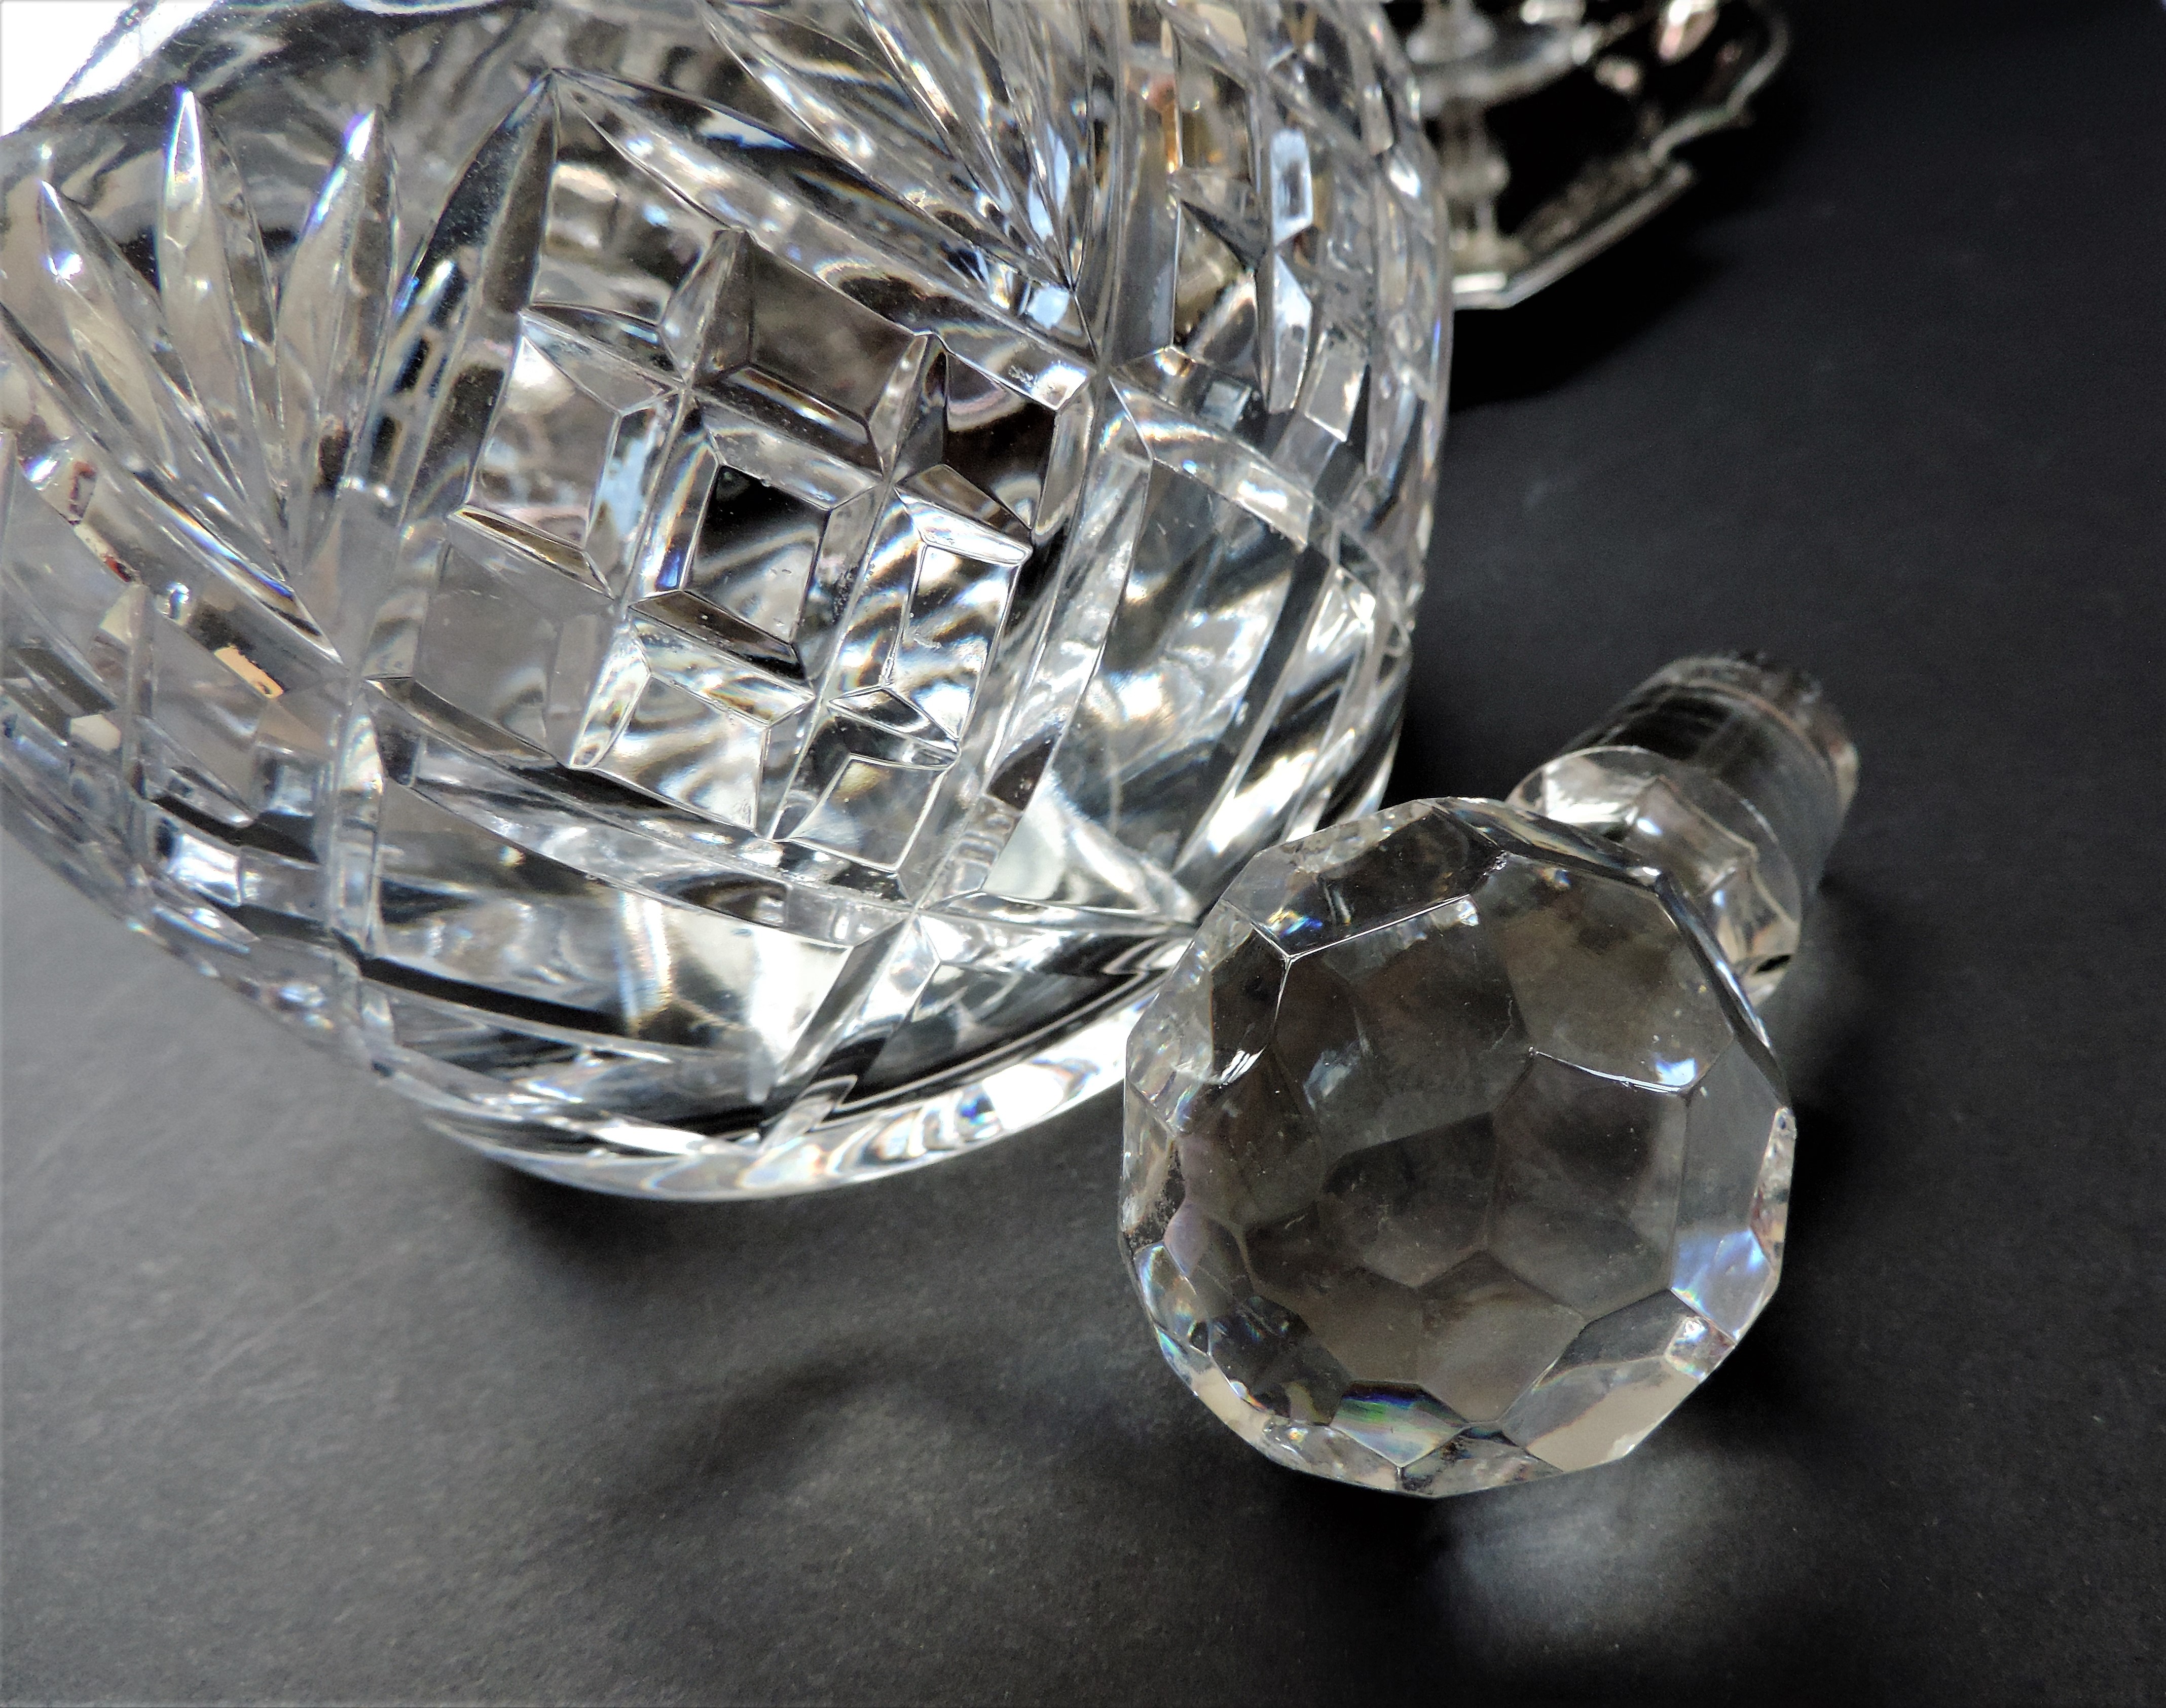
x=850, y=1145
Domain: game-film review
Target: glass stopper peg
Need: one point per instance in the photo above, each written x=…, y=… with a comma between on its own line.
x=1731, y=775
x=1455, y=1153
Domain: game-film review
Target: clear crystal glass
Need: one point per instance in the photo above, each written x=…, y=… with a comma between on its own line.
x=712, y=590
x=1455, y=1153
x=1560, y=124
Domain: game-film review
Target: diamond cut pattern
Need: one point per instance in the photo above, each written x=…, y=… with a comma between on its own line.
x=764, y=661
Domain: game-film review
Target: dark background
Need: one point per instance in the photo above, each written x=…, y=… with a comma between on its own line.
x=304, y=1403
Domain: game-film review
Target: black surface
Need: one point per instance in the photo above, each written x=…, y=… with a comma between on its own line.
x=302, y=1404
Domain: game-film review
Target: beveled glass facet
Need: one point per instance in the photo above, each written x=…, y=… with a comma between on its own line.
x=713, y=589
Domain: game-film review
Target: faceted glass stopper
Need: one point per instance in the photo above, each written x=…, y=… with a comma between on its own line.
x=1455, y=1153
x=714, y=590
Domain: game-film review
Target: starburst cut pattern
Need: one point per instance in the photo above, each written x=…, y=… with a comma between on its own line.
x=715, y=594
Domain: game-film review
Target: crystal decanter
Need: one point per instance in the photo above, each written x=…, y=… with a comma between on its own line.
x=1456, y=1155
x=712, y=591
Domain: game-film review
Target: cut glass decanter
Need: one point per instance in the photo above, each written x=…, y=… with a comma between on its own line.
x=1455, y=1153
x=712, y=590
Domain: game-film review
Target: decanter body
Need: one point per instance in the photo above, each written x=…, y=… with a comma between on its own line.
x=712, y=591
